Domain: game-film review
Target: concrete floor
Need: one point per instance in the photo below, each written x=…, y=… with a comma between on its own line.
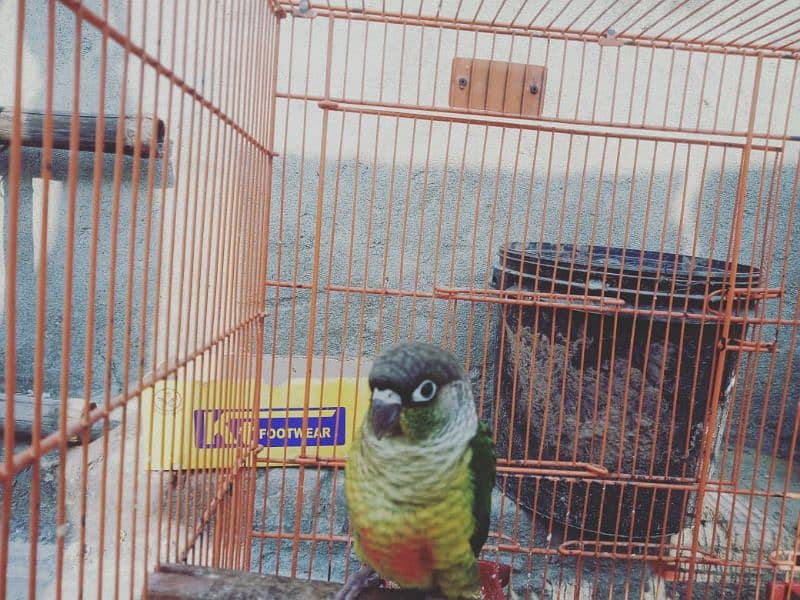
x=734, y=533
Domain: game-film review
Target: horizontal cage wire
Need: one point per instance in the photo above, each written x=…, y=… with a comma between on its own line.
x=217, y=213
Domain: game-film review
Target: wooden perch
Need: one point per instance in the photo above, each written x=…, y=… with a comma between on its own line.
x=33, y=131
x=182, y=582
x=23, y=414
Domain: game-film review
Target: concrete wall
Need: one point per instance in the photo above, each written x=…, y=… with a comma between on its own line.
x=376, y=178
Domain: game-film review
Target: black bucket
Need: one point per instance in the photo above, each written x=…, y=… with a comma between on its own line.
x=619, y=395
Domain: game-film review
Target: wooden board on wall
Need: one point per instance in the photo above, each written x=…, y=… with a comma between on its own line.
x=497, y=86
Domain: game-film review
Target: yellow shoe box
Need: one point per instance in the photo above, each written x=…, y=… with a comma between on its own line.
x=198, y=421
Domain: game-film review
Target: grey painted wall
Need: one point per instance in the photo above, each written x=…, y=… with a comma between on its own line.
x=357, y=323
x=31, y=229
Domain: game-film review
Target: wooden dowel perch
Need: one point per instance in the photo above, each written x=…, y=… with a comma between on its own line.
x=182, y=582
x=33, y=131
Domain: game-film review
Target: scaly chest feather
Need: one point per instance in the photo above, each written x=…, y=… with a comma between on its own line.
x=412, y=532
x=407, y=560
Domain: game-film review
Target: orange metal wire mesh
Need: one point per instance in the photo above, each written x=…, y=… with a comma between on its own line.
x=316, y=198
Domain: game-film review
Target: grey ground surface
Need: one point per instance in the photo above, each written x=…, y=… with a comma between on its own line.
x=322, y=511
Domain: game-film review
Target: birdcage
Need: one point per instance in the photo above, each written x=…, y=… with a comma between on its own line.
x=217, y=213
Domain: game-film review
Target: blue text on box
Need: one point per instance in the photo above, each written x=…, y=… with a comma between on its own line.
x=279, y=427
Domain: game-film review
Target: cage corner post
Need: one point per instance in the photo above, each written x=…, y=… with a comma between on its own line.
x=313, y=299
x=262, y=241
x=729, y=299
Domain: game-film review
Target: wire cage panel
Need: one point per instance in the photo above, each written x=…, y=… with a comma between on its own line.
x=131, y=258
x=416, y=197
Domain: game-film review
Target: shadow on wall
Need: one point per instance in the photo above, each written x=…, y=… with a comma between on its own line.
x=106, y=355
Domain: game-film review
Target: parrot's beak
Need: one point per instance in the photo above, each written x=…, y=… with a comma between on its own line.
x=386, y=406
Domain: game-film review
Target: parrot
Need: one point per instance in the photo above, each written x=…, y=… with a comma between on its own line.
x=419, y=477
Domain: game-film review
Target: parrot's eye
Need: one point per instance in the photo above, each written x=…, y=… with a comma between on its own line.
x=425, y=391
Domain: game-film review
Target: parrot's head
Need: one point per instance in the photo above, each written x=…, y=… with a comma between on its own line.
x=416, y=390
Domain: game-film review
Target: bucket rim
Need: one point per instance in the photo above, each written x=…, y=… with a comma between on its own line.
x=644, y=264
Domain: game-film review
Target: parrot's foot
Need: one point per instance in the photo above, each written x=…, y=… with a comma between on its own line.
x=356, y=583
x=437, y=596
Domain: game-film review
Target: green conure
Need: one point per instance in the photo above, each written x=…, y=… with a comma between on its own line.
x=419, y=477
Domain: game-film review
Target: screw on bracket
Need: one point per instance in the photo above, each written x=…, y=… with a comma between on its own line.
x=304, y=10
x=533, y=88
x=462, y=82
x=609, y=38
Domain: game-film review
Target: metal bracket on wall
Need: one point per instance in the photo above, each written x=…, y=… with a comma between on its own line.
x=748, y=296
x=304, y=10
x=737, y=345
x=609, y=38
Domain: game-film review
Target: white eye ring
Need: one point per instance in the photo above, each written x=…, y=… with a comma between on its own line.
x=425, y=391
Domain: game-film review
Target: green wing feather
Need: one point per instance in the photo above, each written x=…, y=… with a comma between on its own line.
x=483, y=468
